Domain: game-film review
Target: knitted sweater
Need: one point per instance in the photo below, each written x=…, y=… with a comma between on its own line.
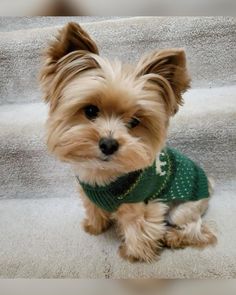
x=172, y=177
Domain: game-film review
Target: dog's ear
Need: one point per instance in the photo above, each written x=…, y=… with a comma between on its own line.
x=70, y=38
x=71, y=44
x=166, y=70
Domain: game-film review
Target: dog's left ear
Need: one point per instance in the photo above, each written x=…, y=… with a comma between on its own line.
x=166, y=70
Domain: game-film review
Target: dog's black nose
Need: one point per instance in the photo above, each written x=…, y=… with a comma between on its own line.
x=108, y=145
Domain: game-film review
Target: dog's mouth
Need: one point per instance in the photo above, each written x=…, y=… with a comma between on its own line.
x=105, y=158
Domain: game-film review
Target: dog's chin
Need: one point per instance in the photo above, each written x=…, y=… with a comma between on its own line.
x=112, y=164
x=102, y=169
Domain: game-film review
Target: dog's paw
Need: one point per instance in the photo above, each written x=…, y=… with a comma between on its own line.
x=143, y=256
x=209, y=237
x=92, y=229
x=123, y=254
x=174, y=239
x=180, y=238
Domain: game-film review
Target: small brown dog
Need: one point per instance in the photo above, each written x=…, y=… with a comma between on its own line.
x=110, y=122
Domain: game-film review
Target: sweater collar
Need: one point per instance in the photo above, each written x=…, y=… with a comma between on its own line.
x=133, y=187
x=118, y=188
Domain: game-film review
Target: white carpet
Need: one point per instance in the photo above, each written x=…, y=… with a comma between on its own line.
x=40, y=212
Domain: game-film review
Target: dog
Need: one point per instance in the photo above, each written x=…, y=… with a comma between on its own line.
x=110, y=122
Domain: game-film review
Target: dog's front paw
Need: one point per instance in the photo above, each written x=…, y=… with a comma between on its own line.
x=124, y=254
x=92, y=229
x=144, y=255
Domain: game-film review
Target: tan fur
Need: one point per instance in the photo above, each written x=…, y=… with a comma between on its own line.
x=189, y=231
x=98, y=220
x=74, y=76
x=142, y=229
x=193, y=234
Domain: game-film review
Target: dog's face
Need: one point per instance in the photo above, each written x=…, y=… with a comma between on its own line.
x=107, y=116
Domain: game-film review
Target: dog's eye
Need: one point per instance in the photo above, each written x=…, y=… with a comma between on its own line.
x=133, y=122
x=91, y=111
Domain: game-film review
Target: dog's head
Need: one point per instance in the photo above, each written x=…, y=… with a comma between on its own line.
x=106, y=115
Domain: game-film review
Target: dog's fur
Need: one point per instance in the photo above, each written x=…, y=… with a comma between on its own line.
x=74, y=76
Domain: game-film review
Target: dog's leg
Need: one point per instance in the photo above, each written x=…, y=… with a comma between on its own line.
x=97, y=220
x=142, y=228
x=188, y=229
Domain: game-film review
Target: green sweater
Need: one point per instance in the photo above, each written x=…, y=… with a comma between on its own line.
x=172, y=178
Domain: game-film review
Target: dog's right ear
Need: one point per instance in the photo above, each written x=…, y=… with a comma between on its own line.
x=70, y=38
x=71, y=43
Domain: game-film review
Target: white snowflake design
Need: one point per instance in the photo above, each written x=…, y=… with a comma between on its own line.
x=159, y=165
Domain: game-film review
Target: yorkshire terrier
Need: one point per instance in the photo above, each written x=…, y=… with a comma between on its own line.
x=110, y=122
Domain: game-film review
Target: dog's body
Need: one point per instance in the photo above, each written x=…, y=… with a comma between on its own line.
x=109, y=120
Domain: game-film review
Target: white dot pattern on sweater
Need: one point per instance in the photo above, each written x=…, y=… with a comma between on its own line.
x=182, y=187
